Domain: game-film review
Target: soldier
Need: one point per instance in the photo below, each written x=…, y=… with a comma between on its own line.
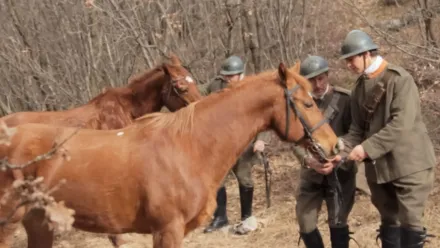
x=233, y=70
x=388, y=133
x=314, y=187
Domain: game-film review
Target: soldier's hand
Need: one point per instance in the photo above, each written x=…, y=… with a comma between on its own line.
x=324, y=169
x=357, y=154
x=259, y=146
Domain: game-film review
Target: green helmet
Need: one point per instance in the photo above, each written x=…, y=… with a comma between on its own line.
x=232, y=65
x=313, y=66
x=356, y=42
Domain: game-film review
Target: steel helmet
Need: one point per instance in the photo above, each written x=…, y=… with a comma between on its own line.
x=232, y=65
x=313, y=66
x=356, y=42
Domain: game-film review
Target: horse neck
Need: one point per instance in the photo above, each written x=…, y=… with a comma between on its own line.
x=225, y=127
x=147, y=89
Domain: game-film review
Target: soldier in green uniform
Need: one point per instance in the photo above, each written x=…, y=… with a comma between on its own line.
x=233, y=70
x=314, y=187
x=389, y=135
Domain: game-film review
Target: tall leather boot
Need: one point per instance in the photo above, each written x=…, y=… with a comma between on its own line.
x=312, y=239
x=246, y=197
x=413, y=239
x=220, y=218
x=340, y=237
x=390, y=236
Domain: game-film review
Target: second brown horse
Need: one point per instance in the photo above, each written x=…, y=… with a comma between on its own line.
x=168, y=84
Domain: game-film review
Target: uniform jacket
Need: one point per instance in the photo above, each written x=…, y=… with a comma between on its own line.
x=397, y=141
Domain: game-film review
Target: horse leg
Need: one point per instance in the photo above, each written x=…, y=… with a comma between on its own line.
x=171, y=236
x=38, y=233
x=117, y=240
x=7, y=233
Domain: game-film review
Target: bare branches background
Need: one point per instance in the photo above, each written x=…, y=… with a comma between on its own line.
x=59, y=54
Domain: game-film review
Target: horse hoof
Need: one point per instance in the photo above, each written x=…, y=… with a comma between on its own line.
x=117, y=240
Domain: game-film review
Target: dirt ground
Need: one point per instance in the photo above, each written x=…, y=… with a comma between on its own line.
x=277, y=225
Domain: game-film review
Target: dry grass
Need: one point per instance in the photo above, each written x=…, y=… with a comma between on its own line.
x=278, y=226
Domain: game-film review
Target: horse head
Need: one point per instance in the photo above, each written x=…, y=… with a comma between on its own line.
x=180, y=90
x=297, y=118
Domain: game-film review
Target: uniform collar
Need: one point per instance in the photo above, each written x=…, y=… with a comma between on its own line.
x=376, y=68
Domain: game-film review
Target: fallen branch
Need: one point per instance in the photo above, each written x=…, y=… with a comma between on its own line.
x=33, y=194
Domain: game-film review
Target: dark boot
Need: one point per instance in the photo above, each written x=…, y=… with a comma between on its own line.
x=413, y=239
x=312, y=239
x=246, y=197
x=340, y=237
x=220, y=218
x=390, y=236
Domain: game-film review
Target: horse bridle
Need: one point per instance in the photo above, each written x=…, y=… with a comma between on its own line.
x=173, y=87
x=313, y=146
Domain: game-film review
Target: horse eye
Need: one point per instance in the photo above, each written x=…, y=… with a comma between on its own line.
x=308, y=104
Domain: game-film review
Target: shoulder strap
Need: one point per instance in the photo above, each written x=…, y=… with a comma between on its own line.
x=331, y=108
x=376, y=95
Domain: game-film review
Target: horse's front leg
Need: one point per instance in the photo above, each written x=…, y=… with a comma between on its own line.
x=117, y=240
x=170, y=236
x=37, y=229
x=8, y=229
x=7, y=234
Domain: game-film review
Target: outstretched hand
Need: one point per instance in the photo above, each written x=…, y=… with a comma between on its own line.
x=357, y=154
x=323, y=169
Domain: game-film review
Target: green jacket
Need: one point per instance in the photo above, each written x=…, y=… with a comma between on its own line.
x=218, y=83
x=398, y=142
x=336, y=108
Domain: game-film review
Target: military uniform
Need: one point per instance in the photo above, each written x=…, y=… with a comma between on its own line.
x=314, y=188
x=400, y=156
x=243, y=167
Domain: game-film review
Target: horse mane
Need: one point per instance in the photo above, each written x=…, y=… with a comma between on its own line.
x=110, y=93
x=178, y=122
x=302, y=81
x=139, y=78
x=134, y=82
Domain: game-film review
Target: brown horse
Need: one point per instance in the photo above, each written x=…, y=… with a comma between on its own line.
x=168, y=84
x=160, y=174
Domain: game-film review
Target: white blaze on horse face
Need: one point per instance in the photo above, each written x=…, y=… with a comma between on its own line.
x=120, y=133
x=189, y=79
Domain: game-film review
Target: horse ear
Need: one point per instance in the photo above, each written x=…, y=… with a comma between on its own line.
x=165, y=69
x=282, y=72
x=174, y=59
x=297, y=66
x=104, y=89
